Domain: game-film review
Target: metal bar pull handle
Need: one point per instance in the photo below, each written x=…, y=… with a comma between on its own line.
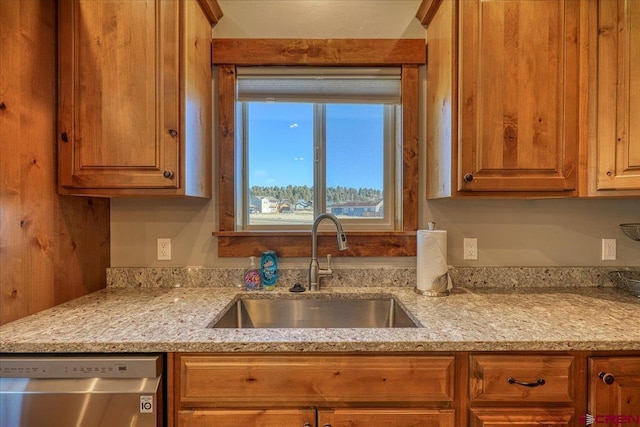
x=540, y=382
x=607, y=378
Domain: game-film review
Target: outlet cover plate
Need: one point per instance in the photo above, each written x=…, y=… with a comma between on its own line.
x=470, y=248
x=608, y=249
x=164, y=249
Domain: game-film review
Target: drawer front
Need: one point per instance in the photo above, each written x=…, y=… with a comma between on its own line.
x=285, y=380
x=531, y=417
x=247, y=417
x=521, y=378
x=399, y=417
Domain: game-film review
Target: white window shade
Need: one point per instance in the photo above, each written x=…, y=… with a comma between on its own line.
x=319, y=85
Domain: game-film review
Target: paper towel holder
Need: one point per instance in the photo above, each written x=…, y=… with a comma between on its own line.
x=438, y=289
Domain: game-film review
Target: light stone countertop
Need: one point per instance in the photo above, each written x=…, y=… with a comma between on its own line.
x=176, y=319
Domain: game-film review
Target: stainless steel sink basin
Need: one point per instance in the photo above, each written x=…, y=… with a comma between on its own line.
x=378, y=312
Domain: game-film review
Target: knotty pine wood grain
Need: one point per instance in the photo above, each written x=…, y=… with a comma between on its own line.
x=247, y=417
x=226, y=147
x=441, y=104
x=319, y=52
x=52, y=248
x=388, y=417
x=308, y=380
x=519, y=123
x=618, y=85
x=298, y=244
x=621, y=397
x=135, y=98
x=500, y=417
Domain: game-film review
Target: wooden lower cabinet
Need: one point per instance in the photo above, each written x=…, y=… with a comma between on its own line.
x=522, y=417
x=354, y=417
x=459, y=389
x=506, y=378
x=522, y=390
x=326, y=390
x=248, y=417
x=614, y=390
x=271, y=380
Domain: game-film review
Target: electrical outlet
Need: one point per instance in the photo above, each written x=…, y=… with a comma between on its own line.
x=164, y=249
x=470, y=248
x=608, y=249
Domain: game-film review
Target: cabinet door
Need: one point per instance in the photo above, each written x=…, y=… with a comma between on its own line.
x=248, y=417
x=119, y=94
x=401, y=417
x=614, y=389
x=618, y=136
x=518, y=100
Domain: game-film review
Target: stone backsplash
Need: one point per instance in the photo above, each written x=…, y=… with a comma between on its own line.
x=467, y=277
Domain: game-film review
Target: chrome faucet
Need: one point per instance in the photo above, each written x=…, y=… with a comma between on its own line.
x=315, y=272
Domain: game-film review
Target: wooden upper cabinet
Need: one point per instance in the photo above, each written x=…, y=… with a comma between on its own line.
x=617, y=148
x=134, y=98
x=502, y=98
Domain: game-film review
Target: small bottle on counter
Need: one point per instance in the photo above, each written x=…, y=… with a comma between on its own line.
x=269, y=270
x=252, y=276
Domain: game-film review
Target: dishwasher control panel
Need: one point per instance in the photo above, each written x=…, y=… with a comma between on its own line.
x=81, y=367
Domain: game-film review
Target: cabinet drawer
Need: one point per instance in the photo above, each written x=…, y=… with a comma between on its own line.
x=247, y=417
x=497, y=378
x=286, y=380
x=532, y=417
x=397, y=417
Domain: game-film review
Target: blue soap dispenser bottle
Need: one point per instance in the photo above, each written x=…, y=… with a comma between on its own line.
x=269, y=270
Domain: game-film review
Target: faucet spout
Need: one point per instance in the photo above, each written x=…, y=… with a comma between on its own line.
x=315, y=272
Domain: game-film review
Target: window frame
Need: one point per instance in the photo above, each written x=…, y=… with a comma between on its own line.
x=392, y=219
x=409, y=54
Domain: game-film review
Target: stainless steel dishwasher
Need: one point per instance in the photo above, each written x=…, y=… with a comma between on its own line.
x=81, y=391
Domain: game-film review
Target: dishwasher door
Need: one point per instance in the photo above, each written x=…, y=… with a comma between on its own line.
x=81, y=391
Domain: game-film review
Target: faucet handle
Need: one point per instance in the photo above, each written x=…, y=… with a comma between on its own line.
x=328, y=261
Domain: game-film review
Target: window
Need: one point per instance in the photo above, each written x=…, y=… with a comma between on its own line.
x=239, y=231
x=318, y=140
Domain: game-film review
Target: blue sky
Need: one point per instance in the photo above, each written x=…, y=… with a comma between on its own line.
x=281, y=145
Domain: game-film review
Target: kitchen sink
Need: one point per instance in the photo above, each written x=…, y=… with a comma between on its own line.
x=374, y=312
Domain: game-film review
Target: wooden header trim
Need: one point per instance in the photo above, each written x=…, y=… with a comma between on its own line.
x=212, y=10
x=427, y=10
x=319, y=52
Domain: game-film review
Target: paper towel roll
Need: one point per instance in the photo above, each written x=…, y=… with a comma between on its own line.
x=432, y=277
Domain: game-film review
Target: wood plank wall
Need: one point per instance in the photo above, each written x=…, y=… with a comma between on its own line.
x=52, y=248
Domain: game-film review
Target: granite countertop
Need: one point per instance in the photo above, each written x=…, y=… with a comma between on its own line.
x=176, y=319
